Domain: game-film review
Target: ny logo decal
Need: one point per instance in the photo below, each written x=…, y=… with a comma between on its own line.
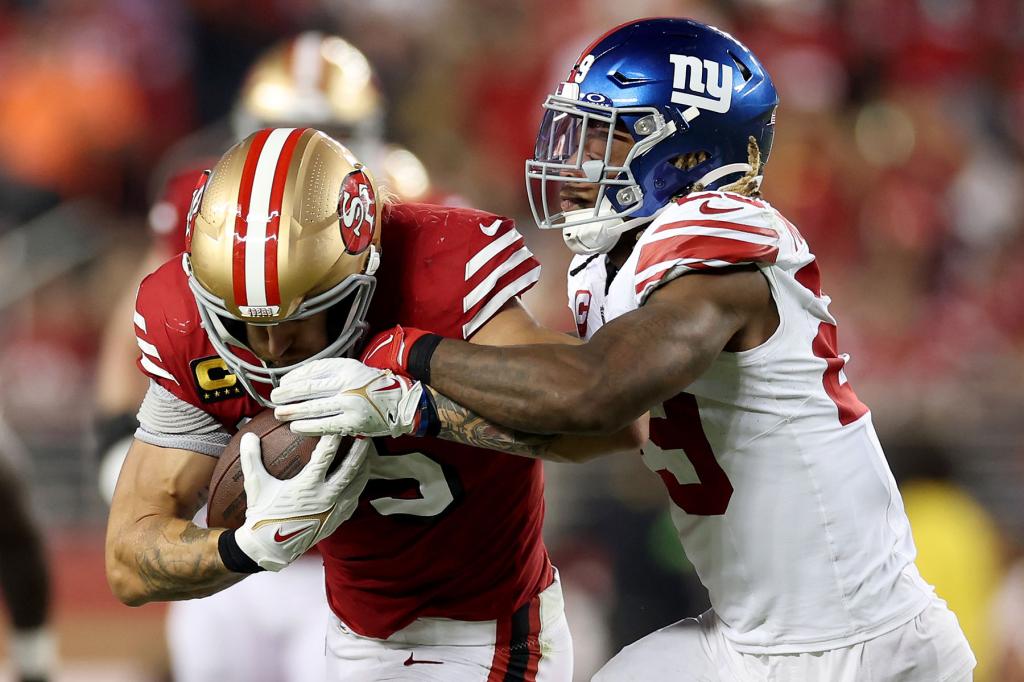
x=696, y=75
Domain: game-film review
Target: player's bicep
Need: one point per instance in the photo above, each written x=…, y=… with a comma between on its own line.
x=513, y=325
x=658, y=350
x=158, y=481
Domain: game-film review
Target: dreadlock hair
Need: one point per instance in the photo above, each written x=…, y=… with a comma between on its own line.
x=750, y=184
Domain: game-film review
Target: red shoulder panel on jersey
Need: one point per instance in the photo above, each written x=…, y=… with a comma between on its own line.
x=176, y=352
x=156, y=306
x=457, y=266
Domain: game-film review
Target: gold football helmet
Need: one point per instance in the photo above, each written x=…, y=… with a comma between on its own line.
x=285, y=226
x=316, y=80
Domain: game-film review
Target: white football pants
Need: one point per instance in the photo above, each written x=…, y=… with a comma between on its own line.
x=930, y=648
x=533, y=645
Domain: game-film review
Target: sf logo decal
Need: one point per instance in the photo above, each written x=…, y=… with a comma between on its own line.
x=356, y=206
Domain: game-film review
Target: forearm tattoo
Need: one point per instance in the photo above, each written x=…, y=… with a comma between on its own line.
x=179, y=560
x=461, y=425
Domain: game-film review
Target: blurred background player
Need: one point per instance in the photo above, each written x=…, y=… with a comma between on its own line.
x=24, y=571
x=271, y=626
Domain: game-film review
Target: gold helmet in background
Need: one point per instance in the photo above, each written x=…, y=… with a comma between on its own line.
x=401, y=173
x=285, y=226
x=317, y=80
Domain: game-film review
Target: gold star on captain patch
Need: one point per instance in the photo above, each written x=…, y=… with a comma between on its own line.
x=206, y=396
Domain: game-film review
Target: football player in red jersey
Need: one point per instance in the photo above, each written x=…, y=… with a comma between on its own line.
x=274, y=618
x=440, y=572
x=703, y=305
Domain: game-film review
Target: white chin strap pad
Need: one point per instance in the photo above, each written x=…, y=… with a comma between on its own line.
x=598, y=235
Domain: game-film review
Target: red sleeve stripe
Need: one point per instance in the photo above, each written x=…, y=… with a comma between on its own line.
x=647, y=285
x=140, y=321
x=706, y=248
x=695, y=197
x=727, y=195
x=721, y=224
x=484, y=255
x=723, y=233
x=658, y=268
x=518, y=282
x=487, y=284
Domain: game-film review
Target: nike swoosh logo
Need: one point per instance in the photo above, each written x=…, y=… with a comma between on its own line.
x=288, y=536
x=708, y=210
x=381, y=345
x=413, y=661
x=491, y=230
x=393, y=385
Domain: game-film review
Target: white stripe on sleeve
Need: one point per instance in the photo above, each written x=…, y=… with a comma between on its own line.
x=498, y=300
x=157, y=370
x=148, y=348
x=482, y=289
x=490, y=251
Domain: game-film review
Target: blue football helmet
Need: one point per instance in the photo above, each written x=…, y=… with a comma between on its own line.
x=677, y=87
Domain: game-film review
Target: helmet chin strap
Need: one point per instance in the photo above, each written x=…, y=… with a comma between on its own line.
x=602, y=232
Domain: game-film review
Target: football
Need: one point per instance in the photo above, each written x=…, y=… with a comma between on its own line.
x=284, y=455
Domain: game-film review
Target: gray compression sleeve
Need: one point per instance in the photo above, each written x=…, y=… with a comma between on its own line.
x=167, y=421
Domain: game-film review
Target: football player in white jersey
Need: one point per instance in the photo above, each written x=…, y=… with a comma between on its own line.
x=703, y=306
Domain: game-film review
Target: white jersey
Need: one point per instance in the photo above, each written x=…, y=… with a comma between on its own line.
x=780, y=492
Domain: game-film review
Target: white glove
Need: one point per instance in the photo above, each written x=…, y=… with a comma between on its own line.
x=285, y=518
x=344, y=396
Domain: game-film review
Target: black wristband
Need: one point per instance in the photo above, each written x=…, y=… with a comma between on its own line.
x=419, y=357
x=232, y=555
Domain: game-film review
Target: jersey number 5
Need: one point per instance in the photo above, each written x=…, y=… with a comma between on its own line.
x=681, y=432
x=418, y=485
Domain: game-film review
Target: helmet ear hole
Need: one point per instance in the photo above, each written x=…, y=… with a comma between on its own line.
x=690, y=160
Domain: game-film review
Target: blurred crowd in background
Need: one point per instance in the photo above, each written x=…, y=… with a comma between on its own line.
x=899, y=154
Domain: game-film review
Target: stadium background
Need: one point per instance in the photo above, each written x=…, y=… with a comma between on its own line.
x=899, y=155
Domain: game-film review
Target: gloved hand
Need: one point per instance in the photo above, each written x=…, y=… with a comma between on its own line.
x=344, y=396
x=285, y=518
x=393, y=350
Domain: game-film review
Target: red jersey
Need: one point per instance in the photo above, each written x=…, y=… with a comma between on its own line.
x=442, y=529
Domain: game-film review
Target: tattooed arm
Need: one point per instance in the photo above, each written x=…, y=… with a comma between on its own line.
x=514, y=325
x=153, y=551
x=461, y=425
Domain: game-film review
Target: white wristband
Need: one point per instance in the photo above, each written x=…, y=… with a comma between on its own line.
x=33, y=652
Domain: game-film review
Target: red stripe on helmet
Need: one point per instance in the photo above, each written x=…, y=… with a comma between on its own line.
x=241, y=215
x=284, y=161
